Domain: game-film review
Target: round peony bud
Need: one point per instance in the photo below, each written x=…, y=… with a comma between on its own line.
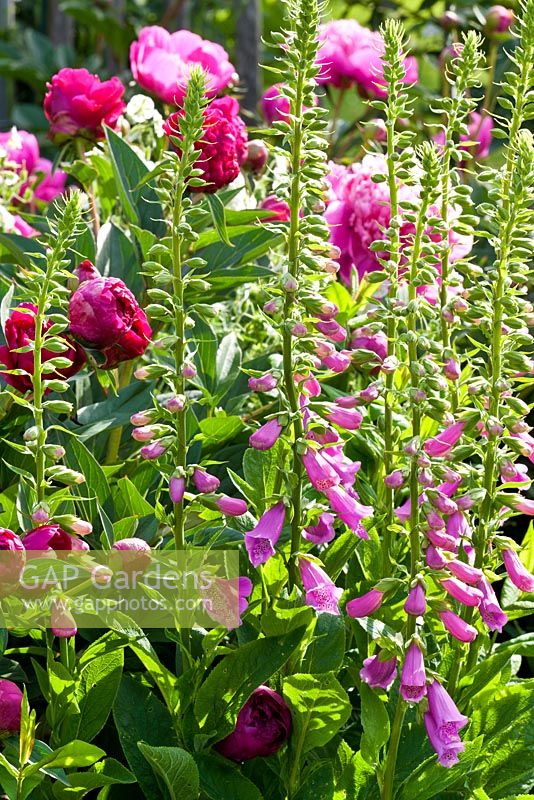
x=10, y=707
x=257, y=155
x=80, y=104
x=263, y=726
x=499, y=19
x=132, y=555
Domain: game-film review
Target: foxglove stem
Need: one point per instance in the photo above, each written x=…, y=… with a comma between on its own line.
x=179, y=352
x=124, y=374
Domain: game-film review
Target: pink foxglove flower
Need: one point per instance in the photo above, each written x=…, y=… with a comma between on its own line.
x=415, y=604
x=465, y=572
x=413, y=676
x=205, y=483
x=323, y=530
x=332, y=330
x=338, y=361
x=435, y=558
x=445, y=716
x=443, y=443
x=490, y=610
x=62, y=622
x=394, y=480
x=517, y=572
x=132, y=554
x=321, y=592
x=366, y=604
x=322, y=475
x=365, y=339
x=226, y=600
x=349, y=510
x=379, y=674
x=261, y=540
x=153, y=451
x=161, y=63
x=447, y=753
x=348, y=418
x=262, y=384
x=231, y=506
x=265, y=437
x=467, y=595
x=177, y=488
x=458, y=627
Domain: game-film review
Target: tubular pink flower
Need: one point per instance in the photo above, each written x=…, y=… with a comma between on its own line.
x=339, y=361
x=152, y=451
x=265, y=437
x=514, y=473
x=490, y=610
x=321, y=592
x=517, y=572
x=446, y=717
x=261, y=540
x=177, y=488
x=349, y=510
x=468, y=595
x=323, y=530
x=457, y=525
x=447, y=753
x=465, y=572
x=434, y=558
x=413, y=676
x=132, y=554
x=443, y=443
x=228, y=600
x=440, y=539
x=205, y=483
x=265, y=383
x=522, y=504
x=379, y=674
x=348, y=418
x=458, y=627
x=365, y=605
x=332, y=330
x=395, y=479
x=365, y=339
x=321, y=474
x=415, y=604
x=62, y=622
x=231, y=506
x=161, y=63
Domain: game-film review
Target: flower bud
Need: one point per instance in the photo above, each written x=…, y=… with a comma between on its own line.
x=498, y=20
x=271, y=306
x=450, y=20
x=299, y=329
x=189, y=371
x=289, y=283
x=257, y=155
x=177, y=488
x=40, y=515
x=175, y=404
x=394, y=480
x=143, y=417
x=31, y=434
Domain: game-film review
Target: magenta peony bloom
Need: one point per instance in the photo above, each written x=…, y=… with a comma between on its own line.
x=321, y=592
x=499, y=19
x=263, y=726
x=517, y=572
x=458, y=627
x=443, y=443
x=349, y=509
x=21, y=149
x=379, y=674
x=52, y=538
x=48, y=183
x=320, y=472
x=80, y=104
x=265, y=437
x=261, y=540
x=350, y=53
x=105, y=315
x=205, y=483
x=177, y=488
x=231, y=506
x=477, y=142
x=467, y=595
x=413, y=676
x=11, y=566
x=323, y=530
x=223, y=147
x=365, y=605
x=161, y=63
x=10, y=706
x=490, y=610
x=131, y=555
x=416, y=601
x=226, y=600
x=20, y=332
x=280, y=209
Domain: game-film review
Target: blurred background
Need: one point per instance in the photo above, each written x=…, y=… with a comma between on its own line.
x=38, y=37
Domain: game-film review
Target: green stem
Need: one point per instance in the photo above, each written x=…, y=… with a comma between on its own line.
x=179, y=354
x=287, y=336
x=391, y=760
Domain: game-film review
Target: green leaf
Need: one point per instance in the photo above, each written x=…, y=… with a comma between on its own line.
x=20, y=248
x=222, y=780
x=141, y=204
x=233, y=680
x=430, y=779
x=319, y=706
x=318, y=782
x=228, y=364
x=129, y=501
x=176, y=768
x=261, y=469
x=73, y=754
x=140, y=717
x=214, y=431
x=375, y=723
x=357, y=781
x=326, y=651
x=218, y=216
x=105, y=773
x=95, y=693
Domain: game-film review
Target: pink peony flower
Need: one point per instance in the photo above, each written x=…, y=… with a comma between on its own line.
x=20, y=332
x=499, y=19
x=263, y=725
x=280, y=209
x=413, y=676
x=223, y=147
x=477, y=142
x=323, y=530
x=48, y=183
x=350, y=53
x=80, y=104
x=21, y=149
x=62, y=622
x=261, y=540
x=321, y=592
x=379, y=674
x=161, y=63
x=11, y=565
x=105, y=315
x=10, y=707
x=52, y=538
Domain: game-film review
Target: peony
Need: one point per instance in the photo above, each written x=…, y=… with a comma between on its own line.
x=80, y=104
x=280, y=209
x=10, y=706
x=262, y=727
x=358, y=211
x=52, y=538
x=105, y=315
x=20, y=332
x=48, y=183
x=11, y=565
x=275, y=105
x=161, y=63
x=351, y=54
x=480, y=127
x=21, y=149
x=223, y=147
